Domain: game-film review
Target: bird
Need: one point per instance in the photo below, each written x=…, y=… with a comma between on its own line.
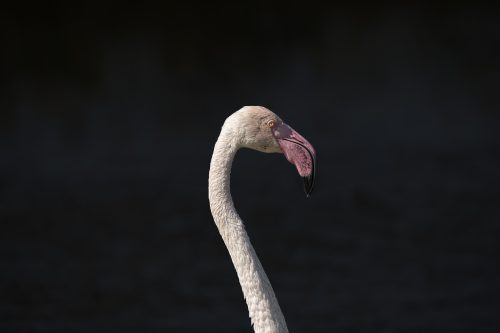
x=257, y=128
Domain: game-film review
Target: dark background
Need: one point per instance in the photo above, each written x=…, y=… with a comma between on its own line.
x=109, y=113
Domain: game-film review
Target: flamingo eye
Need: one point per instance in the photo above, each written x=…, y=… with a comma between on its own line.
x=271, y=123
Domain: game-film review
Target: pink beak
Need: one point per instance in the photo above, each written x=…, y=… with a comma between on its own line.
x=298, y=151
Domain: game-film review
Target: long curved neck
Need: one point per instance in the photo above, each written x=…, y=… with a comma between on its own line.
x=263, y=307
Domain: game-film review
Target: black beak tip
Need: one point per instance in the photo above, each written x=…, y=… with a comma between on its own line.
x=308, y=184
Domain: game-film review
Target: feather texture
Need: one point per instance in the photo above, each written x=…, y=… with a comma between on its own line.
x=263, y=307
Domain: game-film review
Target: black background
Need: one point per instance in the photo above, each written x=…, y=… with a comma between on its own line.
x=109, y=113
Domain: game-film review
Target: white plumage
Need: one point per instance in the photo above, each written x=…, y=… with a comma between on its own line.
x=256, y=128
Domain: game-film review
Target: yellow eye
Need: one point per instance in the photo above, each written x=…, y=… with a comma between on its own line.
x=271, y=123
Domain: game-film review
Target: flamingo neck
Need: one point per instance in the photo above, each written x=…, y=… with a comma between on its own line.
x=263, y=307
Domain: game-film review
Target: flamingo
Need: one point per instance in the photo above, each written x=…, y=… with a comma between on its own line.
x=257, y=128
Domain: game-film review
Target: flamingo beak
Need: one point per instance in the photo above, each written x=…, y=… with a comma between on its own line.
x=298, y=151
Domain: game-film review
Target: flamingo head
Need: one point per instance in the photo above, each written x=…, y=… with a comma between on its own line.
x=260, y=129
